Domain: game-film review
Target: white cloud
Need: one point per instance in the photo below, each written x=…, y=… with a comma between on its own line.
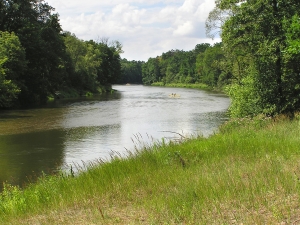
x=145, y=28
x=186, y=28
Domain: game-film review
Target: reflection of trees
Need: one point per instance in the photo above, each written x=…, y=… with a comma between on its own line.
x=87, y=144
x=24, y=156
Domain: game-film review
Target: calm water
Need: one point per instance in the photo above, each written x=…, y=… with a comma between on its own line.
x=70, y=132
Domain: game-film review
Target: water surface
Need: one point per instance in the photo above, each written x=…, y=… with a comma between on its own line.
x=80, y=130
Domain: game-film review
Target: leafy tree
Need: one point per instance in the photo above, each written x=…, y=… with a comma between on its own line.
x=131, y=71
x=291, y=59
x=12, y=67
x=292, y=28
x=202, y=64
x=37, y=58
x=200, y=48
x=254, y=38
x=110, y=70
x=151, y=71
x=177, y=66
x=39, y=32
x=208, y=65
x=85, y=60
x=93, y=63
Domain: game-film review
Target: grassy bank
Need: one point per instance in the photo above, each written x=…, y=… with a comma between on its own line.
x=247, y=173
x=182, y=85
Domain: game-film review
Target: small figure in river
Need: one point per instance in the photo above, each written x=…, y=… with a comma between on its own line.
x=174, y=95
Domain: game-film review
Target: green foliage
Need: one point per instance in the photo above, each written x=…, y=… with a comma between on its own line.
x=151, y=71
x=131, y=71
x=208, y=65
x=260, y=41
x=293, y=35
x=201, y=65
x=43, y=59
x=85, y=60
x=244, y=101
x=109, y=71
x=291, y=58
x=12, y=66
x=93, y=64
x=39, y=33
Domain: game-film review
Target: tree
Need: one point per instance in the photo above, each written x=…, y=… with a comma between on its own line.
x=131, y=71
x=151, y=71
x=93, y=63
x=49, y=60
x=39, y=32
x=209, y=65
x=12, y=66
x=85, y=60
x=109, y=71
x=256, y=29
x=291, y=59
x=202, y=64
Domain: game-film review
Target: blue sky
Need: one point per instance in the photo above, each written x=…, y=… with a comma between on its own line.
x=146, y=28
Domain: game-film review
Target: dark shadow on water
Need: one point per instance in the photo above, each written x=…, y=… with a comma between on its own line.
x=79, y=100
x=25, y=157
x=9, y=116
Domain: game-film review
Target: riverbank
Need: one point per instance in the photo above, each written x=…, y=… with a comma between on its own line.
x=247, y=173
x=200, y=86
x=74, y=93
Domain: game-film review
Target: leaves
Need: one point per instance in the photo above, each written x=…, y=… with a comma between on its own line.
x=12, y=65
x=39, y=63
x=293, y=35
x=256, y=44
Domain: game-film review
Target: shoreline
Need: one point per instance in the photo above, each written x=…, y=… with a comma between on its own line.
x=199, y=86
x=245, y=168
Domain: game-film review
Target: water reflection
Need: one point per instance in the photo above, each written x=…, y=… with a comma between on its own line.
x=24, y=156
x=84, y=144
x=74, y=130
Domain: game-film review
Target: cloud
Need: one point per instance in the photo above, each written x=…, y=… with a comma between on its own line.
x=184, y=29
x=145, y=28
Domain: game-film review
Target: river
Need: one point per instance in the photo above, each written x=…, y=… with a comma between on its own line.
x=78, y=131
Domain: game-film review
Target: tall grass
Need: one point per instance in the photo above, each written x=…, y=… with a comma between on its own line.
x=247, y=173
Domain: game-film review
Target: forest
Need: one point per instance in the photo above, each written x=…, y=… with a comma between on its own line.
x=256, y=64
x=38, y=60
x=200, y=65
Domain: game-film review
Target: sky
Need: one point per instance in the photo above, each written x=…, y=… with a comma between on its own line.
x=145, y=28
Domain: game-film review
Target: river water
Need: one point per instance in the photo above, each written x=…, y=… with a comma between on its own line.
x=78, y=131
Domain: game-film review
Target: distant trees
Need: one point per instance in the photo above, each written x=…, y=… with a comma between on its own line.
x=37, y=58
x=209, y=65
x=151, y=71
x=203, y=64
x=131, y=72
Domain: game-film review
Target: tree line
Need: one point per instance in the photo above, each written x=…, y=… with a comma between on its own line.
x=256, y=64
x=38, y=58
x=200, y=65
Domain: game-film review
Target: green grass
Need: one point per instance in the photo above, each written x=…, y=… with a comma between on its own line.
x=247, y=173
x=182, y=85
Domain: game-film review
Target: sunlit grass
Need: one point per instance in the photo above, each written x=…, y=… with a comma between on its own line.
x=247, y=173
x=183, y=85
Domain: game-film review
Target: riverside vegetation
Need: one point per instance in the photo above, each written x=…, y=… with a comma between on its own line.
x=246, y=173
